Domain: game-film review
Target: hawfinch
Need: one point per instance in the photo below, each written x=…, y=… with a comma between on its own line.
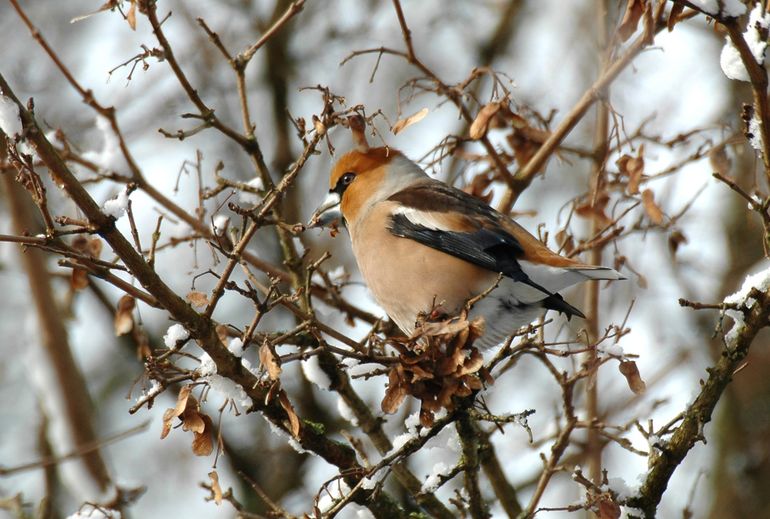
x=420, y=243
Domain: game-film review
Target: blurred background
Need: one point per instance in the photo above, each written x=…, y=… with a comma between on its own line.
x=674, y=98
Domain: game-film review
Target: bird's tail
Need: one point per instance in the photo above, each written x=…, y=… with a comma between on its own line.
x=597, y=272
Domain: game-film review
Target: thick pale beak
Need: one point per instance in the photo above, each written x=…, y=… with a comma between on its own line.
x=328, y=213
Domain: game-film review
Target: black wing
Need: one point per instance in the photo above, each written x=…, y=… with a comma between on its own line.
x=488, y=246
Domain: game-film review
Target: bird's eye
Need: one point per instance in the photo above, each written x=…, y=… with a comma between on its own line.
x=347, y=178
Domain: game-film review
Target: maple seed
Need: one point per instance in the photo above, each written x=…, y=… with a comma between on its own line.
x=269, y=361
x=124, y=315
x=402, y=124
x=629, y=370
x=481, y=123
x=651, y=208
x=197, y=299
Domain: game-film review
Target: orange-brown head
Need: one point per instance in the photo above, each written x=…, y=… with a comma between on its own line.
x=360, y=179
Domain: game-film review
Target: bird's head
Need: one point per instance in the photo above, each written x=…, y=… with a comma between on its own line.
x=361, y=178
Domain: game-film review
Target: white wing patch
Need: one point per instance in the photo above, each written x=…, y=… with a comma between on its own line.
x=427, y=219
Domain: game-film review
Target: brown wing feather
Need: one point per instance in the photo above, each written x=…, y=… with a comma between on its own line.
x=463, y=212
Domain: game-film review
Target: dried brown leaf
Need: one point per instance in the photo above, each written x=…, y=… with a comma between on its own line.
x=124, y=315
x=221, y=330
x=651, y=208
x=269, y=361
x=283, y=399
x=595, y=210
x=633, y=168
x=197, y=299
x=78, y=279
x=193, y=421
x=675, y=239
x=608, y=509
x=634, y=11
x=215, y=488
x=168, y=416
x=630, y=370
x=395, y=393
x=80, y=243
x=480, y=125
x=94, y=247
x=203, y=442
x=106, y=6
x=131, y=15
x=432, y=329
x=181, y=404
x=402, y=124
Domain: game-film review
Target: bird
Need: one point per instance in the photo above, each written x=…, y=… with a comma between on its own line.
x=423, y=245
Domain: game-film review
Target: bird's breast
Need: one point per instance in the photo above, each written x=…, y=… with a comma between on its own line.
x=406, y=277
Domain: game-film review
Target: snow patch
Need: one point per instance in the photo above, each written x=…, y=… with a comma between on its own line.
x=10, y=117
x=434, y=479
x=741, y=299
x=219, y=224
x=175, y=334
x=236, y=347
x=755, y=138
x=333, y=493
x=346, y=412
x=313, y=372
x=229, y=390
x=117, y=207
x=208, y=366
x=730, y=58
x=245, y=197
x=91, y=512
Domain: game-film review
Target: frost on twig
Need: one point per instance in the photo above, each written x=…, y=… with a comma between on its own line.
x=742, y=301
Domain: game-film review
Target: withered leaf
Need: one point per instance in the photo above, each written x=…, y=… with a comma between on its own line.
x=80, y=243
x=395, y=393
x=480, y=125
x=221, y=330
x=215, y=488
x=283, y=399
x=651, y=208
x=94, y=247
x=269, y=361
x=197, y=299
x=131, y=15
x=608, y=509
x=124, y=315
x=634, y=11
x=402, y=124
x=106, y=6
x=479, y=187
x=633, y=168
x=78, y=279
x=472, y=364
x=203, y=443
x=436, y=364
x=675, y=239
x=177, y=410
x=432, y=329
x=629, y=370
x=595, y=210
